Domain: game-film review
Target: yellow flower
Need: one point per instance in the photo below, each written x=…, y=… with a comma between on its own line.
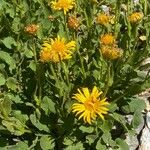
x=107, y=39
x=103, y=19
x=135, y=17
x=89, y=105
x=66, y=5
x=56, y=50
x=45, y=55
x=111, y=52
x=73, y=22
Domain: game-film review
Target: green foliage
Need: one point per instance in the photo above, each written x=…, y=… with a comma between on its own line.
x=46, y=143
x=36, y=97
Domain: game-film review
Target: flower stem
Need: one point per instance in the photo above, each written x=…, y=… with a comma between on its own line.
x=145, y=7
x=109, y=80
x=65, y=68
x=80, y=58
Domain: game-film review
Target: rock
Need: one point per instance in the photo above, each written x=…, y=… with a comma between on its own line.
x=133, y=141
x=148, y=120
x=145, y=137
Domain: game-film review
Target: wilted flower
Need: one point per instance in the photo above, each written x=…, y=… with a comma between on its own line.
x=73, y=22
x=56, y=50
x=111, y=52
x=31, y=29
x=135, y=17
x=64, y=5
x=89, y=105
x=50, y=17
x=103, y=19
x=107, y=39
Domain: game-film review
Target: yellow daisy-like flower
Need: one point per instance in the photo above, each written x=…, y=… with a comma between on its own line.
x=107, y=39
x=56, y=50
x=103, y=19
x=89, y=105
x=135, y=17
x=64, y=5
x=45, y=55
x=111, y=52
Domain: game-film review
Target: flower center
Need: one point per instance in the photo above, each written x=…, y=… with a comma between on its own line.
x=64, y=4
x=91, y=104
x=58, y=47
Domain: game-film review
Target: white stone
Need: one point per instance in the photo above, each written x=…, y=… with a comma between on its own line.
x=145, y=139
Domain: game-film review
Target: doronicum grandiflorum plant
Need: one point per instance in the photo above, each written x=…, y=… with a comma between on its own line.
x=70, y=73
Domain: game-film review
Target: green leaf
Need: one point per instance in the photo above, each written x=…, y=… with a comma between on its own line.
x=133, y=105
x=2, y=79
x=47, y=143
x=23, y=118
x=91, y=139
x=113, y=107
x=106, y=137
x=19, y=146
x=119, y=118
x=8, y=42
x=36, y=123
x=11, y=83
x=106, y=126
x=34, y=143
x=61, y=32
x=2, y=4
x=5, y=107
x=122, y=144
x=32, y=65
x=11, y=12
x=85, y=129
x=28, y=53
x=137, y=118
x=134, y=89
x=100, y=146
x=16, y=25
x=8, y=59
x=48, y=105
x=14, y=126
x=137, y=104
x=75, y=146
x=69, y=141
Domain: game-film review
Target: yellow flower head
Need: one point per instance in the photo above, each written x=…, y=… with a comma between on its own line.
x=89, y=105
x=111, y=52
x=107, y=39
x=64, y=5
x=135, y=17
x=31, y=29
x=56, y=50
x=103, y=19
x=73, y=22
